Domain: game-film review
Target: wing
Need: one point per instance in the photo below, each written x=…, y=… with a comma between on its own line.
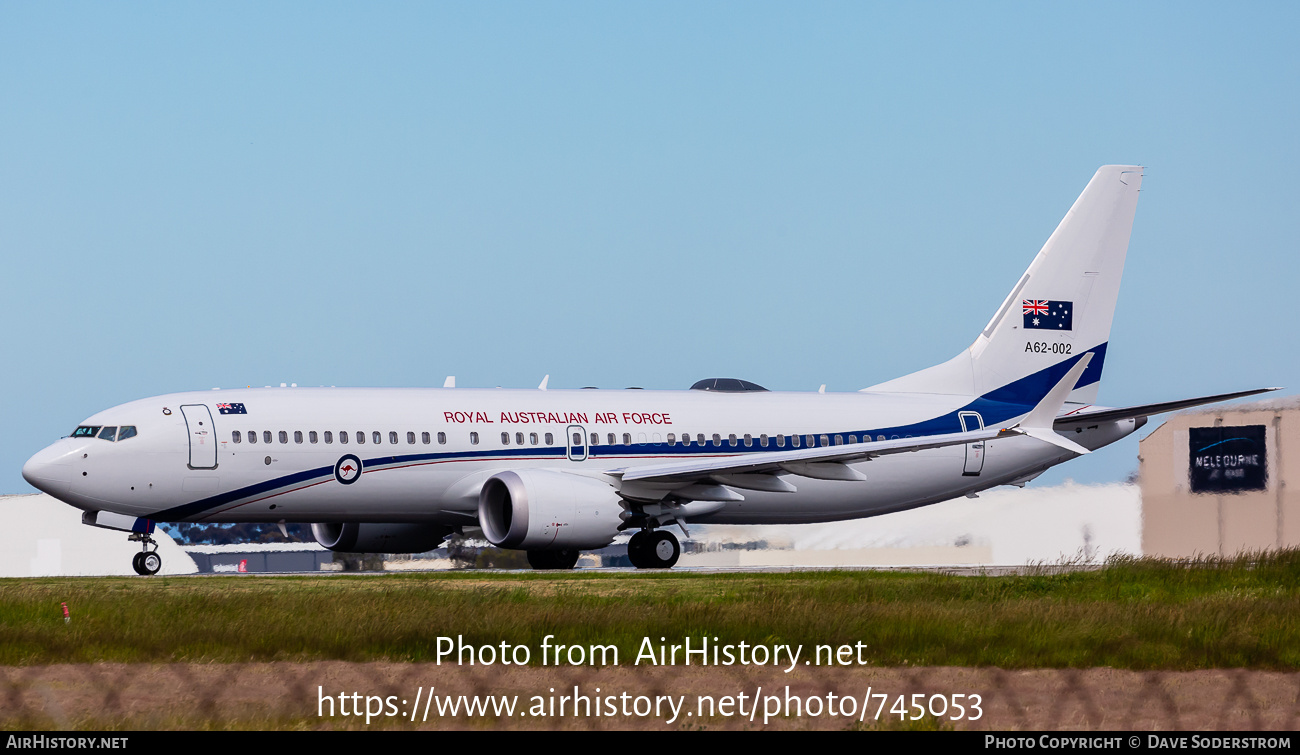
x=1092, y=416
x=830, y=462
x=826, y=462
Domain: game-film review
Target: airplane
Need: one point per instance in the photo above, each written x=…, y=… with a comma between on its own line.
x=556, y=472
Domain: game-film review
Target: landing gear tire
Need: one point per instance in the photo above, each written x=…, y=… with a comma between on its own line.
x=653, y=549
x=150, y=563
x=566, y=558
x=147, y=562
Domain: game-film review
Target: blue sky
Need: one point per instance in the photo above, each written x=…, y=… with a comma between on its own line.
x=198, y=195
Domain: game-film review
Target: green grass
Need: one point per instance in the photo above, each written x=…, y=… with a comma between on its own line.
x=1135, y=613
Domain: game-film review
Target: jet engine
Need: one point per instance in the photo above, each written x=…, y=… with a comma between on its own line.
x=369, y=537
x=539, y=509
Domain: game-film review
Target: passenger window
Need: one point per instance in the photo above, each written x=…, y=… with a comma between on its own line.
x=532, y=438
x=329, y=437
x=519, y=439
x=312, y=436
x=794, y=441
x=812, y=441
x=612, y=441
x=839, y=440
x=749, y=440
x=627, y=439
x=392, y=437
x=377, y=437
x=731, y=440
x=853, y=439
x=127, y=431
x=425, y=439
x=236, y=437
x=108, y=433
x=550, y=439
x=361, y=436
x=686, y=439
x=780, y=440
x=595, y=439
x=252, y=436
x=881, y=437
x=473, y=439
x=343, y=436
x=672, y=438
x=717, y=439
x=284, y=436
x=505, y=439
x=762, y=440
x=266, y=436
x=297, y=436
x=410, y=438
x=442, y=439
x=577, y=439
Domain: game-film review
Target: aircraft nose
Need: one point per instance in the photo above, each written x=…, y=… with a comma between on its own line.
x=49, y=471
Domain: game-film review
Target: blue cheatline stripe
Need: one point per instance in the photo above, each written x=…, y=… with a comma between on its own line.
x=995, y=407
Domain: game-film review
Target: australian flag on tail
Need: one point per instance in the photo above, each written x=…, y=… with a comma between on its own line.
x=1042, y=314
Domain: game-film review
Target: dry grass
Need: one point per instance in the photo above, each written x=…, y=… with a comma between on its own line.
x=1135, y=613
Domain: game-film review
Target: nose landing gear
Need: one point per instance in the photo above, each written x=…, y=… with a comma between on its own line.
x=147, y=562
x=653, y=549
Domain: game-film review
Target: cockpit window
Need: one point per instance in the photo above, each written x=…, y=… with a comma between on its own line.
x=108, y=433
x=127, y=431
x=86, y=431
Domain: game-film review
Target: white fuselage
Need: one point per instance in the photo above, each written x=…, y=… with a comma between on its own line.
x=427, y=467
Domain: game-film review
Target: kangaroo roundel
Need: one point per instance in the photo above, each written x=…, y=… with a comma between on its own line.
x=347, y=469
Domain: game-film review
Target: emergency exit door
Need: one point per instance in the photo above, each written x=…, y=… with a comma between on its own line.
x=971, y=421
x=576, y=441
x=203, y=436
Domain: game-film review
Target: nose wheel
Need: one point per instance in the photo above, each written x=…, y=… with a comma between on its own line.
x=653, y=549
x=147, y=562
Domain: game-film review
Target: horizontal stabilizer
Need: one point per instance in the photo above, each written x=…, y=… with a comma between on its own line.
x=1092, y=417
x=1038, y=423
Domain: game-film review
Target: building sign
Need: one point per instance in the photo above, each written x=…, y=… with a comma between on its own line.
x=1227, y=459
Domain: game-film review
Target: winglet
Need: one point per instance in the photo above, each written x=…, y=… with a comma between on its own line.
x=545, y=380
x=1038, y=423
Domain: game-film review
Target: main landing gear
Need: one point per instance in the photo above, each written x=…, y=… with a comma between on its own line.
x=147, y=562
x=565, y=558
x=653, y=549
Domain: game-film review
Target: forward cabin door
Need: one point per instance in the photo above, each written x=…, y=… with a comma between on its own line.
x=971, y=421
x=203, y=437
x=576, y=441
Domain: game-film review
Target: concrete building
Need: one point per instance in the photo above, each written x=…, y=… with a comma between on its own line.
x=1215, y=481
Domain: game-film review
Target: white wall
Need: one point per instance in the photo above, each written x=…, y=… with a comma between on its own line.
x=1016, y=526
x=44, y=537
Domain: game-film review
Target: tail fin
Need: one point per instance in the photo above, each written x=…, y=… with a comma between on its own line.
x=1060, y=309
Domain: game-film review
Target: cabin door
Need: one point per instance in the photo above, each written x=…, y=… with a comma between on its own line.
x=203, y=436
x=971, y=421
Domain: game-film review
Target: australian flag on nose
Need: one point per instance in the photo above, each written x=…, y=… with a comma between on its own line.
x=1044, y=314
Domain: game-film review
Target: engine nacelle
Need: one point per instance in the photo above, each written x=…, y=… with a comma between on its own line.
x=368, y=537
x=539, y=509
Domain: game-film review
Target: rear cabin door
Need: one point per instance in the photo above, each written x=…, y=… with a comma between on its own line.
x=203, y=436
x=971, y=421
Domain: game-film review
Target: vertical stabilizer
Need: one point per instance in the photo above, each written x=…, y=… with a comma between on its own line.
x=1059, y=310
